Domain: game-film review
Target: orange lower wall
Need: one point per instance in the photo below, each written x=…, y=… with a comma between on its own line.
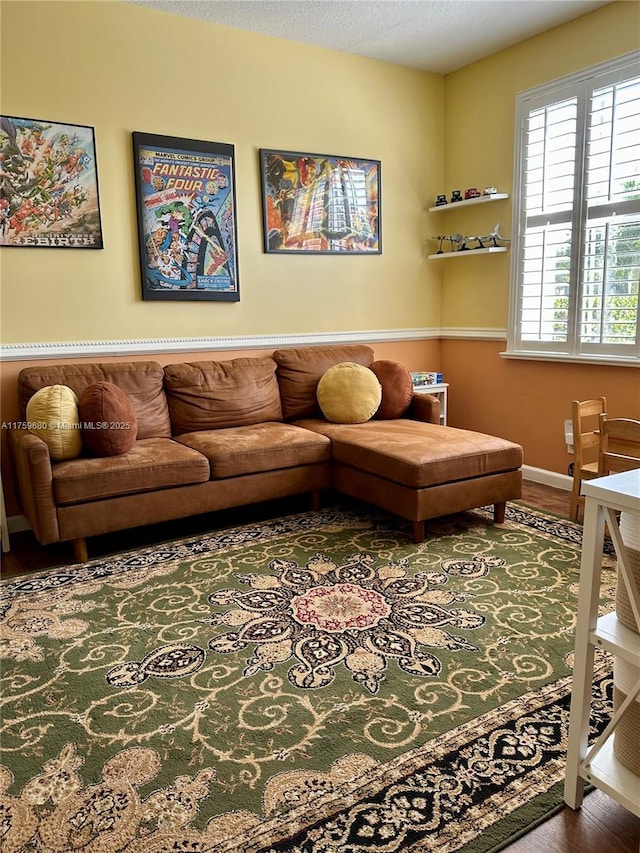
x=524, y=401
x=528, y=401
x=416, y=355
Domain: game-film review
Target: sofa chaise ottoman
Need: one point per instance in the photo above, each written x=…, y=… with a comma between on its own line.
x=411, y=465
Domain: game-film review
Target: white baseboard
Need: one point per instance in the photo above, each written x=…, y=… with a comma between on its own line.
x=18, y=523
x=547, y=478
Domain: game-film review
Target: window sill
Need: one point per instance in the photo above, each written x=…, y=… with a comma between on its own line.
x=607, y=360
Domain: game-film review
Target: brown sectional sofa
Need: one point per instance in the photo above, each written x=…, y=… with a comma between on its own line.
x=213, y=435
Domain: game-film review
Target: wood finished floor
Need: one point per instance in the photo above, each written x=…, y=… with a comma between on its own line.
x=600, y=826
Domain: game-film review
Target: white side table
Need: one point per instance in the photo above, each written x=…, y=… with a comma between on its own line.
x=438, y=390
x=599, y=765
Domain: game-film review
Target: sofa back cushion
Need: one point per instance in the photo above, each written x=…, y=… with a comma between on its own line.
x=217, y=394
x=300, y=370
x=141, y=381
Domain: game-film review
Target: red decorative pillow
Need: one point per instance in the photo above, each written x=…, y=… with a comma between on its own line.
x=397, y=388
x=108, y=421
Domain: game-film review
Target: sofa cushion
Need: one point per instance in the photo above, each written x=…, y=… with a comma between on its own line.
x=208, y=395
x=397, y=388
x=52, y=414
x=140, y=380
x=348, y=393
x=416, y=454
x=300, y=370
x=153, y=463
x=107, y=419
x=261, y=447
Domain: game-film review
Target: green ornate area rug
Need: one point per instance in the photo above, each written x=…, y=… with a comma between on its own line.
x=313, y=683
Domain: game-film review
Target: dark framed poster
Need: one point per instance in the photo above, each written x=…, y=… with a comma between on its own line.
x=186, y=205
x=320, y=203
x=48, y=185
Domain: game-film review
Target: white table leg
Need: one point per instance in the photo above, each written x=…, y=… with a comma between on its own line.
x=588, y=598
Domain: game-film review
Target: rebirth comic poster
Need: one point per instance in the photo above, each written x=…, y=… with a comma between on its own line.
x=187, y=229
x=48, y=185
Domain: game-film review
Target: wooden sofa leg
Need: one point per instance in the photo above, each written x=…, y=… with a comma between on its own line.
x=316, y=500
x=417, y=531
x=499, y=512
x=80, y=551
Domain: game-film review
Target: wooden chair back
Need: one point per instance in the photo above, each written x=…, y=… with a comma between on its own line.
x=585, y=416
x=619, y=445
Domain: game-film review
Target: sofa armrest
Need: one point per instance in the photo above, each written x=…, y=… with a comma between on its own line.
x=33, y=471
x=424, y=407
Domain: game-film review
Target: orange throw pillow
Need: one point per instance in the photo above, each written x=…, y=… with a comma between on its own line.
x=397, y=388
x=108, y=421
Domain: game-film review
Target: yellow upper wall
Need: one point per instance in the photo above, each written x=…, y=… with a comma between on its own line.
x=121, y=68
x=479, y=133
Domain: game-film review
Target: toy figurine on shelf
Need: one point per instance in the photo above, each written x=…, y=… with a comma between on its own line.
x=456, y=195
x=454, y=239
x=459, y=243
x=493, y=239
x=490, y=190
x=441, y=199
x=472, y=192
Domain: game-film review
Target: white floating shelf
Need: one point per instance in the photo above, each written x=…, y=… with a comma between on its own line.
x=466, y=252
x=469, y=201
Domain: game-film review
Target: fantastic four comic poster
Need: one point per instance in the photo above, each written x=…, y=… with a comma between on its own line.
x=186, y=218
x=48, y=185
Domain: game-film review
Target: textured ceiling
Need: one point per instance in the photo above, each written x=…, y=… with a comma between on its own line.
x=433, y=35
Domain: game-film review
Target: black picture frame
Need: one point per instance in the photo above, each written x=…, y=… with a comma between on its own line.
x=49, y=197
x=320, y=204
x=187, y=221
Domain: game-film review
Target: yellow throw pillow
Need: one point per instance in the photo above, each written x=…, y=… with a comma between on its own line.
x=52, y=415
x=348, y=393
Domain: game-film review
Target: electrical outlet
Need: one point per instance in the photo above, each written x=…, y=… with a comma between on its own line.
x=568, y=434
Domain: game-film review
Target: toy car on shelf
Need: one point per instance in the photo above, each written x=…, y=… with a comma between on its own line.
x=441, y=199
x=456, y=195
x=472, y=192
x=490, y=190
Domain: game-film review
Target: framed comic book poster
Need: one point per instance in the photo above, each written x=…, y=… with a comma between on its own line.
x=48, y=185
x=186, y=204
x=320, y=203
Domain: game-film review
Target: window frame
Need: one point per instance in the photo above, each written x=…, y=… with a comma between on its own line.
x=580, y=86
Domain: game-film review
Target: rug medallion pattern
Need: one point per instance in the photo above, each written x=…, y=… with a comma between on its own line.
x=315, y=683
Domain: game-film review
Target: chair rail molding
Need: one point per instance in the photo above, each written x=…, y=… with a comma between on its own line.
x=91, y=349
x=454, y=333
